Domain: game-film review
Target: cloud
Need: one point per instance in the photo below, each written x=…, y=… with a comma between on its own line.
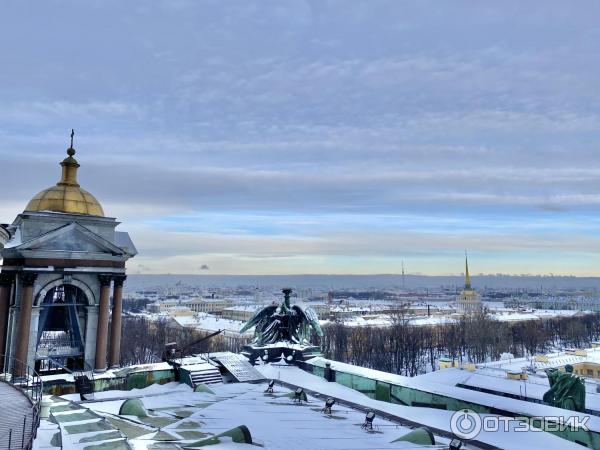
x=300, y=127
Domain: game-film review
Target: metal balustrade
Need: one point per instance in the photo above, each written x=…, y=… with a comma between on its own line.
x=20, y=397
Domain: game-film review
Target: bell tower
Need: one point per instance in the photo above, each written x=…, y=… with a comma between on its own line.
x=63, y=263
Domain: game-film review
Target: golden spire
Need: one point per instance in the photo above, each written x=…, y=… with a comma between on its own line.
x=467, y=276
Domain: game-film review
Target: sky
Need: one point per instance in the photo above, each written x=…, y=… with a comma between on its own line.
x=290, y=137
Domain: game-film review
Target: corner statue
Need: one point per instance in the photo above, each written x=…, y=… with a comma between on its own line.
x=282, y=332
x=566, y=391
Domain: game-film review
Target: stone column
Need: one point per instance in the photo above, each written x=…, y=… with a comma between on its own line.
x=6, y=281
x=91, y=327
x=102, y=330
x=22, y=346
x=33, y=332
x=115, y=326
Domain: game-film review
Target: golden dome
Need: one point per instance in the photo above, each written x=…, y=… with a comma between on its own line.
x=67, y=196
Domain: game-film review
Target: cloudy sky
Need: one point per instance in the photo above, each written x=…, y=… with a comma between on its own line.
x=266, y=137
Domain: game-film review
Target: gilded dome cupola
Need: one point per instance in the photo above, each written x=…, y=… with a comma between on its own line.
x=67, y=196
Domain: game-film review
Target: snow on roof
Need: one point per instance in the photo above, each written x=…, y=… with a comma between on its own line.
x=198, y=366
x=533, y=387
x=15, y=240
x=556, y=359
x=516, y=317
x=450, y=376
x=208, y=322
x=243, y=308
x=435, y=387
x=387, y=320
x=430, y=417
x=274, y=421
x=207, y=300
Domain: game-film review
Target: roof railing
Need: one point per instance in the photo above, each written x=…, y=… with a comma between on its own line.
x=23, y=378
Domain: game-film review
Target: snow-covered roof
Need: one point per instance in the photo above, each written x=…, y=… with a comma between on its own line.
x=555, y=359
x=430, y=417
x=208, y=322
x=180, y=416
x=534, y=387
x=435, y=387
x=243, y=308
x=15, y=240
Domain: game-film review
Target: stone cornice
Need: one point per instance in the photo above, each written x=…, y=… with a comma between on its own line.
x=62, y=263
x=64, y=217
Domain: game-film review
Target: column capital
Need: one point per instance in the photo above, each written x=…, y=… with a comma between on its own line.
x=7, y=278
x=28, y=278
x=119, y=280
x=105, y=280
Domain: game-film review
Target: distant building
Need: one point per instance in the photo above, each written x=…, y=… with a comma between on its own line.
x=585, y=362
x=468, y=301
x=163, y=306
x=200, y=304
x=579, y=303
x=208, y=305
x=242, y=313
x=322, y=310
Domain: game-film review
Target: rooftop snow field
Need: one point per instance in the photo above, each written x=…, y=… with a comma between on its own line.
x=275, y=422
x=534, y=387
x=449, y=390
x=434, y=418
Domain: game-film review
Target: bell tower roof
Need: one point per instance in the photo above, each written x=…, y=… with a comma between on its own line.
x=66, y=196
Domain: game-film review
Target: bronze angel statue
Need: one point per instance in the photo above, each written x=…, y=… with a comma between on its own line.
x=566, y=391
x=284, y=323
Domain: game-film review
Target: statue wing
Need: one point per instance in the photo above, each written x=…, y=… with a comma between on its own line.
x=258, y=316
x=310, y=316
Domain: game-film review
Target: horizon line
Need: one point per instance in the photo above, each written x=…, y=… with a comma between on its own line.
x=372, y=275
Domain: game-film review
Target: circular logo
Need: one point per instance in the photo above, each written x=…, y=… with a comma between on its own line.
x=465, y=424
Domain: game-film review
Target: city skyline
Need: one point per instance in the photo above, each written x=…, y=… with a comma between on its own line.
x=315, y=137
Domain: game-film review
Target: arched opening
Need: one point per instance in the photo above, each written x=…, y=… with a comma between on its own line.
x=61, y=328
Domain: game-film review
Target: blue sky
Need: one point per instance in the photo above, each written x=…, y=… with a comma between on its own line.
x=266, y=137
